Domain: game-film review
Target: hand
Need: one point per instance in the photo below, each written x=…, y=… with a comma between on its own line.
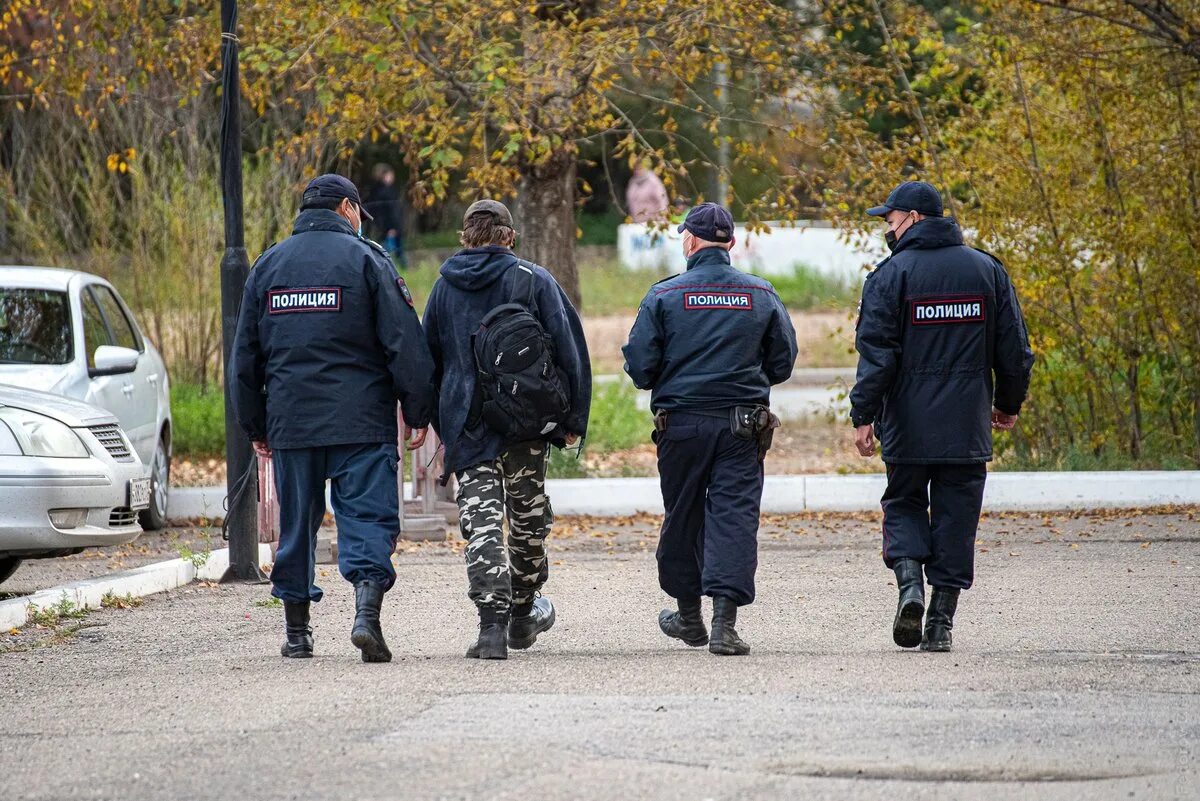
x=261, y=448
x=864, y=440
x=571, y=438
x=415, y=437
x=1002, y=421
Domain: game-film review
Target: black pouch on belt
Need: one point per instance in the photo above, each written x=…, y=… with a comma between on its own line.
x=754, y=422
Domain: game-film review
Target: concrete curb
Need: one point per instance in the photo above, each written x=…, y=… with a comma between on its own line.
x=138, y=582
x=1006, y=492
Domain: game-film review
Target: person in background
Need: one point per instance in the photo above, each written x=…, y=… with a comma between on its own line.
x=646, y=197
x=384, y=204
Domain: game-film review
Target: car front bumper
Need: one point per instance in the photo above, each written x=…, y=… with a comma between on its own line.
x=31, y=486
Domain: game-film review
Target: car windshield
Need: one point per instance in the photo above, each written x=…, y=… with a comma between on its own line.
x=35, y=327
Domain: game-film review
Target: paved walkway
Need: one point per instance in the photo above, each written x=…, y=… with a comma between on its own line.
x=1075, y=675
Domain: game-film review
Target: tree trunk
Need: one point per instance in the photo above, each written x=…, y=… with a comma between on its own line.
x=546, y=220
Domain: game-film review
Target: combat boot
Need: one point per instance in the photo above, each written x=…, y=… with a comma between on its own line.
x=299, y=642
x=493, y=636
x=906, y=628
x=686, y=624
x=367, y=635
x=942, y=604
x=725, y=640
x=528, y=621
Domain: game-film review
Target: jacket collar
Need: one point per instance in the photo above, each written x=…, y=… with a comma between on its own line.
x=932, y=232
x=709, y=256
x=321, y=220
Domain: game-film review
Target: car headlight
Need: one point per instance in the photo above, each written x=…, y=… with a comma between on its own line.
x=38, y=435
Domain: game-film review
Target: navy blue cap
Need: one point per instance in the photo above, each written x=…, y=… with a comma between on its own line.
x=710, y=222
x=333, y=187
x=911, y=196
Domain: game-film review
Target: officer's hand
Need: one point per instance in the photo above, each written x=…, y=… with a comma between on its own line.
x=571, y=438
x=415, y=437
x=864, y=440
x=262, y=449
x=1002, y=421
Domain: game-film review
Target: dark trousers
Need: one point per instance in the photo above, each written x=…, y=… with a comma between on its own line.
x=712, y=485
x=931, y=513
x=366, y=505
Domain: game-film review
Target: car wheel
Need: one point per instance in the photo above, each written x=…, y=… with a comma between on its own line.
x=8, y=566
x=155, y=517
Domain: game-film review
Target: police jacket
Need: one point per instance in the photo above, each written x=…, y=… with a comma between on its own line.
x=938, y=321
x=327, y=342
x=473, y=282
x=710, y=338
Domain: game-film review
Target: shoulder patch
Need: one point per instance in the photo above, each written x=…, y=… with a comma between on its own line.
x=668, y=278
x=408, y=298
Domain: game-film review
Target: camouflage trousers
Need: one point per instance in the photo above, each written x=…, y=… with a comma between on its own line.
x=512, y=486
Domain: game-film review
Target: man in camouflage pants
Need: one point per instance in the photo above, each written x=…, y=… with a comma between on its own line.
x=501, y=475
x=507, y=583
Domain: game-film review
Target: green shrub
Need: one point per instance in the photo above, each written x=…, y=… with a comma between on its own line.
x=198, y=415
x=616, y=424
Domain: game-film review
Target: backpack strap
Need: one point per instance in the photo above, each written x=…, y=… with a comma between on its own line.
x=524, y=285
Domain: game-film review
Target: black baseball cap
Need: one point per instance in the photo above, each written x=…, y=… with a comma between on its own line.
x=333, y=187
x=911, y=196
x=710, y=222
x=492, y=207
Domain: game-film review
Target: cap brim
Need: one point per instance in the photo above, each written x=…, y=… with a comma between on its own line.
x=363, y=211
x=879, y=211
x=682, y=227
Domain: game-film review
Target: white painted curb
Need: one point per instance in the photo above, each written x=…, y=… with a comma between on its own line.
x=1005, y=492
x=138, y=582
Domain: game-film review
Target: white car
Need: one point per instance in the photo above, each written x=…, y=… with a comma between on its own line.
x=69, y=478
x=69, y=333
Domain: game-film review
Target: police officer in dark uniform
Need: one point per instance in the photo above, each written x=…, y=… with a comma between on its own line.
x=709, y=343
x=327, y=342
x=944, y=358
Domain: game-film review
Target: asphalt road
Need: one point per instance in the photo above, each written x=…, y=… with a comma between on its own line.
x=1075, y=675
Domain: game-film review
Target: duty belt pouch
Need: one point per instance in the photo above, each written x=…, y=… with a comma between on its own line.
x=754, y=422
x=743, y=421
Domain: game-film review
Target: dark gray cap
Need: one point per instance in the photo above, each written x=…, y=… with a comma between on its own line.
x=333, y=187
x=492, y=207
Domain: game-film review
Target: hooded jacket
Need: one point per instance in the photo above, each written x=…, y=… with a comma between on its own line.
x=941, y=340
x=472, y=283
x=710, y=338
x=327, y=329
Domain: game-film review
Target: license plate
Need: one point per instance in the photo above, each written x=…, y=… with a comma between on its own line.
x=139, y=493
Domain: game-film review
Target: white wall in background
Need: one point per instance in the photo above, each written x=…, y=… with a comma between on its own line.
x=813, y=243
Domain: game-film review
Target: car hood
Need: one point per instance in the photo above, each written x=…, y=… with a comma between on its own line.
x=45, y=377
x=65, y=410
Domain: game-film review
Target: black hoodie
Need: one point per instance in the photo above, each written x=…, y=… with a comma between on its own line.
x=938, y=320
x=473, y=282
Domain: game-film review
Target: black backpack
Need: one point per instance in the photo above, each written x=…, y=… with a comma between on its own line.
x=520, y=393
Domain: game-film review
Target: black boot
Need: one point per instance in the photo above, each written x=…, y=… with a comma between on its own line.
x=527, y=621
x=686, y=624
x=906, y=628
x=493, y=636
x=725, y=640
x=942, y=604
x=299, y=642
x=366, y=635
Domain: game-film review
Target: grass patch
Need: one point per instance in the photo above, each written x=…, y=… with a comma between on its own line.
x=805, y=289
x=616, y=424
x=51, y=616
x=113, y=601
x=198, y=416
x=1075, y=459
x=268, y=603
x=197, y=559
